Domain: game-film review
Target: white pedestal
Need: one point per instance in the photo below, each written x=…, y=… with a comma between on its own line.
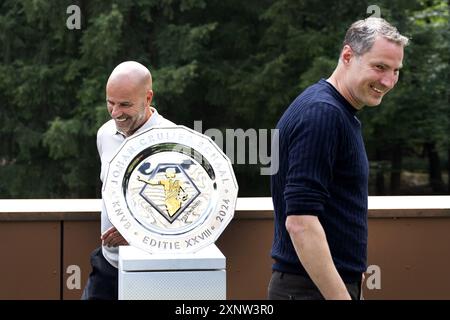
x=189, y=276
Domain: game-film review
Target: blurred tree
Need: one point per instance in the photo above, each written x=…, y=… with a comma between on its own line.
x=231, y=64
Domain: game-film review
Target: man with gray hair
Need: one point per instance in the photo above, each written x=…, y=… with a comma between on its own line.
x=129, y=96
x=320, y=191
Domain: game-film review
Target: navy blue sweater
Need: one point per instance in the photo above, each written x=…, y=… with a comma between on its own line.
x=323, y=171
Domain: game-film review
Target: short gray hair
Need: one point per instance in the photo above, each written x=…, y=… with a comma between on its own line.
x=362, y=33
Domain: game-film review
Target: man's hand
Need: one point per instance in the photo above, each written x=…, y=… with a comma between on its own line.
x=113, y=238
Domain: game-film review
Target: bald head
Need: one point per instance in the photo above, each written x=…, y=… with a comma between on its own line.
x=129, y=95
x=133, y=73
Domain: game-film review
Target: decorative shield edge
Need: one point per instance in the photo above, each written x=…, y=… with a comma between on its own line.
x=113, y=204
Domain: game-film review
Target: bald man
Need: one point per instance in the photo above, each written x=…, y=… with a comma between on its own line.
x=129, y=96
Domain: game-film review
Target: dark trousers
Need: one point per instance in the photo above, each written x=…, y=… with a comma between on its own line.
x=288, y=286
x=103, y=281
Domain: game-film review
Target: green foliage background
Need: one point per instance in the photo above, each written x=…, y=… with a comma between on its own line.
x=232, y=64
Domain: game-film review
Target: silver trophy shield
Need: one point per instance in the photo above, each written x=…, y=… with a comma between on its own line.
x=170, y=190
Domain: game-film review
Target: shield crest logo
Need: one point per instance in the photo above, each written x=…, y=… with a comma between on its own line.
x=169, y=190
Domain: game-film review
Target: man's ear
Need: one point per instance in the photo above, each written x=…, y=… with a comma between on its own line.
x=347, y=54
x=149, y=97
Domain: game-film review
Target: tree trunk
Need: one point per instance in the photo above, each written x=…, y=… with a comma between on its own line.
x=396, y=169
x=434, y=168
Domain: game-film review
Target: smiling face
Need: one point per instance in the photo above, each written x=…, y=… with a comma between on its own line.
x=128, y=103
x=370, y=76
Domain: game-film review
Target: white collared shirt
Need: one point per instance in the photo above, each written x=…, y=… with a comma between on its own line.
x=108, y=142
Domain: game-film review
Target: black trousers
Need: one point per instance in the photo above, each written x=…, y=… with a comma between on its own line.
x=288, y=286
x=102, y=283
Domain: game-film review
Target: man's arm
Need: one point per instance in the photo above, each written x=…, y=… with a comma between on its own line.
x=312, y=248
x=151, y=181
